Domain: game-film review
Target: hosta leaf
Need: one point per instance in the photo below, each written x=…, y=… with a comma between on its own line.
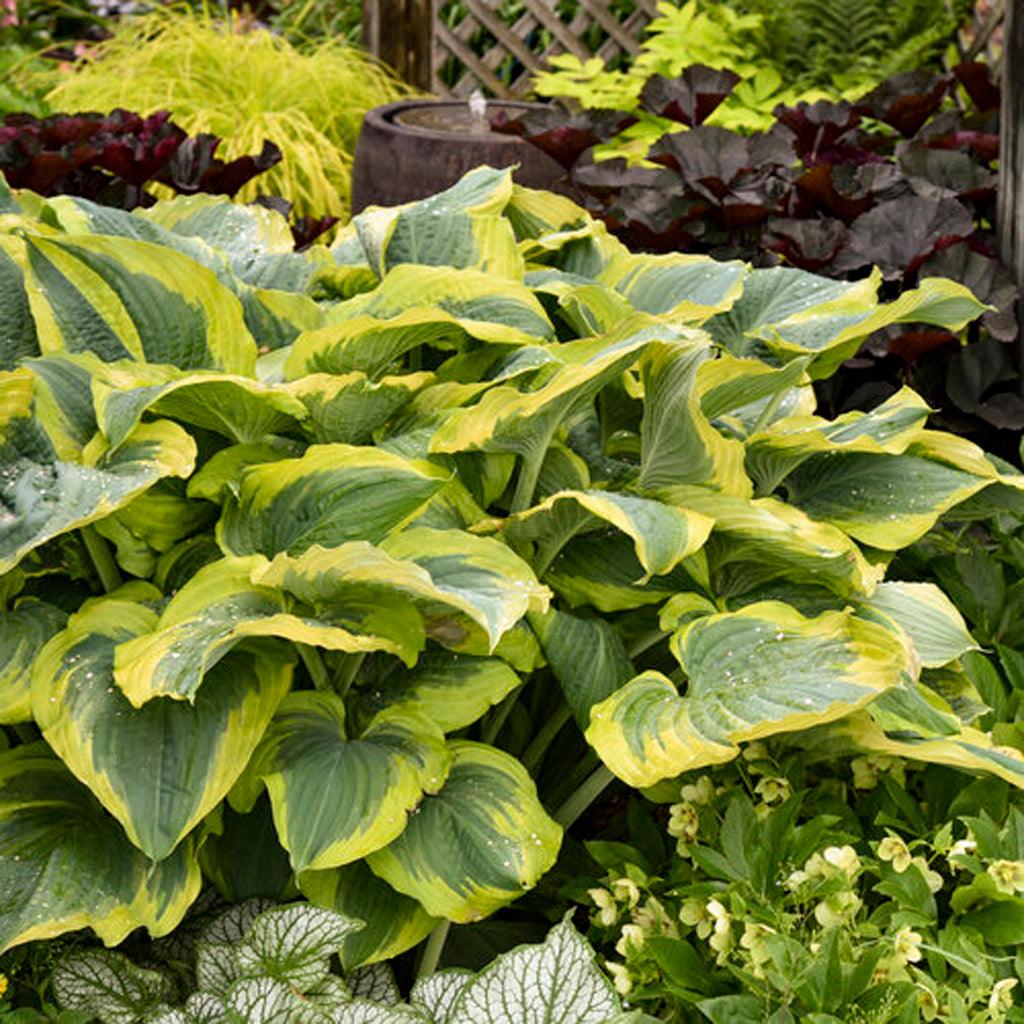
x=556, y=981
x=394, y=922
x=481, y=577
x=64, y=404
x=221, y=474
x=219, y=607
x=891, y=427
x=237, y=407
x=350, y=407
x=778, y=540
x=128, y=299
x=108, y=985
x=753, y=673
x=970, y=750
x=437, y=993
x=452, y=690
x=294, y=944
x=475, y=845
x=662, y=534
x=126, y=755
x=23, y=631
x=585, y=305
x=935, y=627
x=66, y=864
x=333, y=494
x=584, y=682
x=20, y=340
x=335, y=799
x=42, y=497
x=459, y=227
x=678, y=443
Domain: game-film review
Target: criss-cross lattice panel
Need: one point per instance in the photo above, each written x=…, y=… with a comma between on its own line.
x=496, y=45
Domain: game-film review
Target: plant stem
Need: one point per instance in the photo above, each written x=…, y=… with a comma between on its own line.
x=315, y=667
x=591, y=788
x=526, y=484
x=99, y=552
x=768, y=411
x=347, y=673
x=432, y=950
x=645, y=641
x=499, y=716
x=534, y=753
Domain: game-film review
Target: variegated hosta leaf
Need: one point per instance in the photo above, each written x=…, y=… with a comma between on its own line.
x=42, y=497
x=66, y=864
x=524, y=422
x=437, y=993
x=776, y=451
x=20, y=338
x=475, y=845
x=790, y=313
x=128, y=299
x=63, y=403
x=221, y=474
x=584, y=681
x=459, y=227
x=678, y=443
x=127, y=755
x=970, y=749
x=477, y=576
x=336, y=799
x=753, y=673
x=105, y=984
x=23, y=631
x=393, y=921
x=333, y=494
x=452, y=690
x=237, y=407
x=747, y=393
x=556, y=981
x=585, y=305
x=662, y=534
x=350, y=407
x=887, y=501
x=777, y=540
x=219, y=607
x=935, y=627
x=536, y=214
x=294, y=944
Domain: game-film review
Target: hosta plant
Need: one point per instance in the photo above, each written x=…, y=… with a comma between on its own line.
x=263, y=964
x=317, y=567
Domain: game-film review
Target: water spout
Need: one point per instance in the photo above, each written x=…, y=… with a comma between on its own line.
x=478, y=111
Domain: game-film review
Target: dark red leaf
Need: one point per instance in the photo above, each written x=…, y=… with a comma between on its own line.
x=690, y=98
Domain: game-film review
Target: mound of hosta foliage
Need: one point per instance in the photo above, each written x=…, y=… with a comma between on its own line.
x=258, y=963
x=902, y=179
x=309, y=559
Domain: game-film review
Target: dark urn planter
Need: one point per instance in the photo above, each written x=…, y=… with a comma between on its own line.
x=413, y=148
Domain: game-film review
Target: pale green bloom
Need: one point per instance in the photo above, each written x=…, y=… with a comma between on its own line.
x=607, y=911
x=1008, y=875
x=894, y=849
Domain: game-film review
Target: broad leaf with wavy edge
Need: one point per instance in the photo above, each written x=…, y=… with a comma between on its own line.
x=478, y=843
x=763, y=670
x=124, y=298
x=461, y=226
x=393, y=921
x=126, y=755
x=336, y=799
x=220, y=606
x=24, y=630
x=334, y=493
x=42, y=497
x=66, y=864
x=106, y=984
x=935, y=627
x=662, y=534
x=554, y=982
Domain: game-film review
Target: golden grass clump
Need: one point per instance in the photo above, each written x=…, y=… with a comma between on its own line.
x=244, y=87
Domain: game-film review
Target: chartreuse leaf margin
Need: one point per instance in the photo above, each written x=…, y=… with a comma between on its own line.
x=359, y=555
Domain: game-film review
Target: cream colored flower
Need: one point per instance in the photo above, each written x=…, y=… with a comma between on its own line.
x=1000, y=1000
x=906, y=945
x=932, y=879
x=684, y=822
x=625, y=890
x=927, y=1004
x=721, y=940
x=753, y=940
x=695, y=914
x=755, y=751
x=700, y=792
x=842, y=857
x=837, y=909
x=773, y=790
x=1008, y=875
x=894, y=849
x=961, y=848
x=632, y=938
x=607, y=911
x=620, y=977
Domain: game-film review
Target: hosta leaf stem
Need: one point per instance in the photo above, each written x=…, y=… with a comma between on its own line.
x=99, y=552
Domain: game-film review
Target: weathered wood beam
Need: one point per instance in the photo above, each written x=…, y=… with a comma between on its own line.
x=401, y=33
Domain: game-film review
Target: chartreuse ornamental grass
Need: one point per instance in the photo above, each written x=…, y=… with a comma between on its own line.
x=245, y=87
x=347, y=550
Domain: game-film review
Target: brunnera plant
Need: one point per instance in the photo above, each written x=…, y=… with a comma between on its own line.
x=315, y=566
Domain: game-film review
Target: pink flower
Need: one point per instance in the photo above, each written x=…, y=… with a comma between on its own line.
x=9, y=18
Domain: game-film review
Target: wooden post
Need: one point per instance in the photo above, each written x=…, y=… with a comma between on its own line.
x=401, y=33
x=1011, y=158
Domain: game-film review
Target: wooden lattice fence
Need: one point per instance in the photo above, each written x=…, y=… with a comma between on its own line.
x=451, y=48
